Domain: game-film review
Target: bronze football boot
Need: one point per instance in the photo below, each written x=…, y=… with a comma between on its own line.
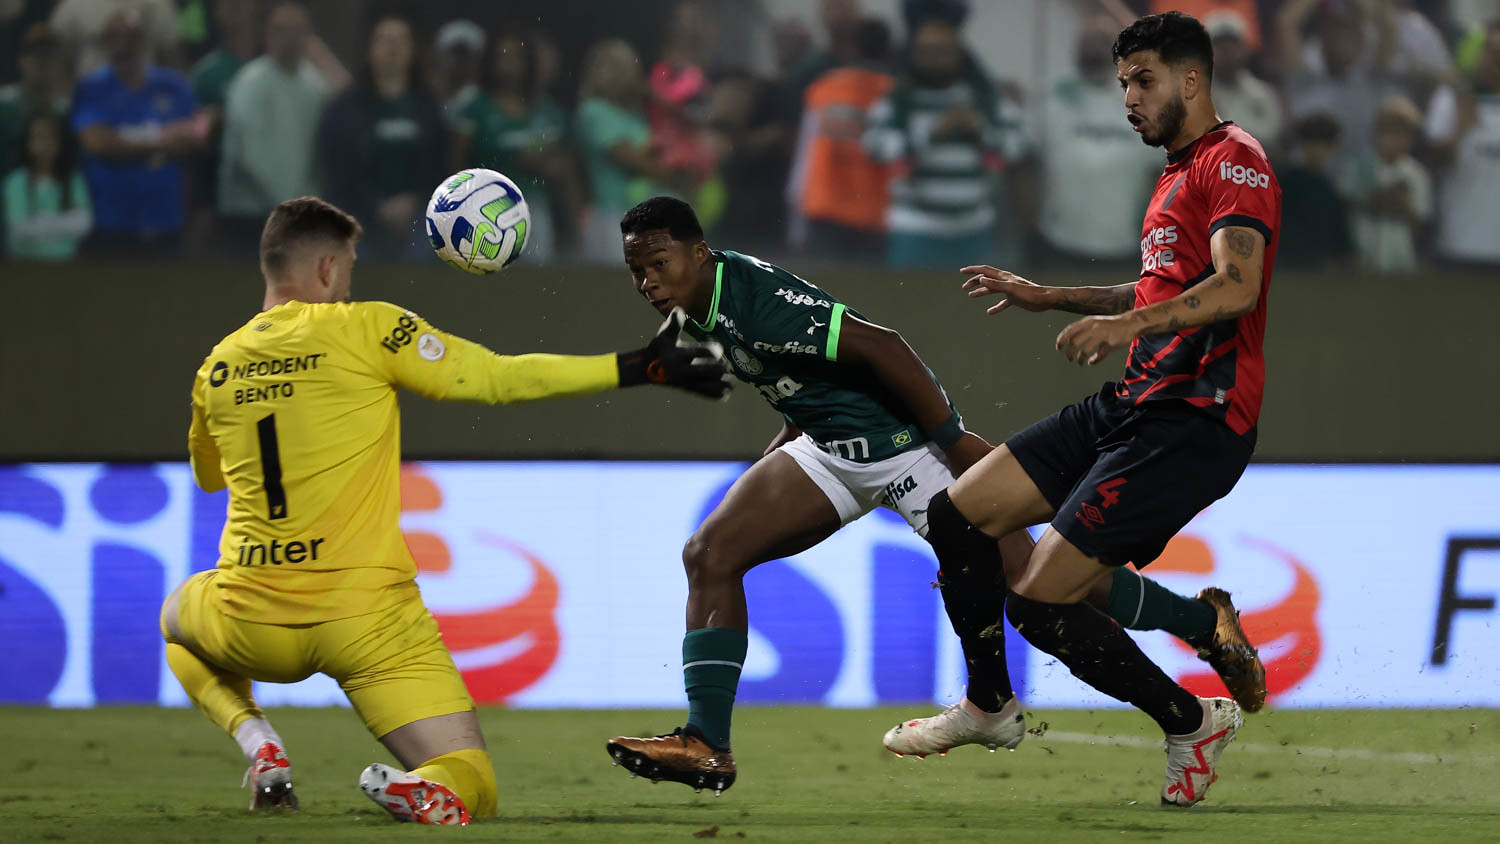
x=679, y=756
x=1231, y=654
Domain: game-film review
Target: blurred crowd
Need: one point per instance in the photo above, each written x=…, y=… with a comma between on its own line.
x=158, y=128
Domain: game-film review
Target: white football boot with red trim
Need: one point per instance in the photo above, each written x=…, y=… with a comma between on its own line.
x=411, y=799
x=960, y=724
x=270, y=779
x=1192, y=759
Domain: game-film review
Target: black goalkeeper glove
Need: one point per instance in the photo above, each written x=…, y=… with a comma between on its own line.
x=677, y=360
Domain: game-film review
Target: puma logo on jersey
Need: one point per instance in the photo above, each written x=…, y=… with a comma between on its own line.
x=1242, y=175
x=816, y=325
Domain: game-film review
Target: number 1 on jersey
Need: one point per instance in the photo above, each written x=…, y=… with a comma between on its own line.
x=270, y=467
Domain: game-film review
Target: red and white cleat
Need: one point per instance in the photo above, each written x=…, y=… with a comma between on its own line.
x=960, y=724
x=412, y=799
x=270, y=779
x=1193, y=759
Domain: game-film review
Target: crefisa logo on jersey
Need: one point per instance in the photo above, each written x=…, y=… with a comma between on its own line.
x=1242, y=175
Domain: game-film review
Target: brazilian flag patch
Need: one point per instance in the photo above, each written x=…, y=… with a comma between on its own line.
x=903, y=438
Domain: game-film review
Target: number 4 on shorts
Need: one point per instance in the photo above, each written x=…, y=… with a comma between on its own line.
x=1107, y=490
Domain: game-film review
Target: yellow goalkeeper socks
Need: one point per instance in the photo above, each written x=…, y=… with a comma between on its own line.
x=470, y=774
x=225, y=698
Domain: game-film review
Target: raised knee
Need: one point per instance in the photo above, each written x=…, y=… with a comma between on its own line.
x=703, y=559
x=170, y=630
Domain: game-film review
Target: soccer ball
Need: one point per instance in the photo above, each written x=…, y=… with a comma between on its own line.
x=477, y=220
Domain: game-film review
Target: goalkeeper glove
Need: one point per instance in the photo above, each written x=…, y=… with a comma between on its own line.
x=677, y=360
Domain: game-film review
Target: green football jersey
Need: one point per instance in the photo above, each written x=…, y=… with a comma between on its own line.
x=781, y=336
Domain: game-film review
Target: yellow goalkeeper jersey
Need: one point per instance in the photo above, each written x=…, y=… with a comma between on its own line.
x=296, y=414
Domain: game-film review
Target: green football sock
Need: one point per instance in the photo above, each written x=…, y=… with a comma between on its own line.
x=1142, y=604
x=711, y=663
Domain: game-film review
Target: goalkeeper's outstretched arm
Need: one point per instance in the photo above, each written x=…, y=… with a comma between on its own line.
x=450, y=368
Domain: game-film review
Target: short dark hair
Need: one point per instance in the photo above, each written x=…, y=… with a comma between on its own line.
x=1176, y=37
x=299, y=221
x=663, y=212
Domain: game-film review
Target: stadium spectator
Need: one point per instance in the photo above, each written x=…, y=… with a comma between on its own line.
x=515, y=128
x=1315, y=218
x=382, y=144
x=1239, y=94
x=1095, y=174
x=1463, y=127
x=271, y=118
x=1389, y=192
x=237, y=22
x=17, y=17
x=679, y=96
x=1340, y=71
x=83, y=25
x=840, y=20
x=752, y=153
x=1469, y=20
x=549, y=65
x=458, y=48
x=792, y=43
x=44, y=86
x=134, y=122
x=838, y=192
x=1419, y=55
x=1247, y=11
x=622, y=165
x=943, y=138
x=46, y=199
x=197, y=31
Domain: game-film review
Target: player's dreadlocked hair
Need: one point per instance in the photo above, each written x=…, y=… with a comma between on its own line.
x=298, y=221
x=663, y=212
x=1178, y=38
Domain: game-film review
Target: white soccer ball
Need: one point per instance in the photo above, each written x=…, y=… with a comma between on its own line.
x=477, y=220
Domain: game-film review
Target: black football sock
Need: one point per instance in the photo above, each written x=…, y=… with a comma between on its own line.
x=1099, y=653
x=973, y=583
x=1140, y=603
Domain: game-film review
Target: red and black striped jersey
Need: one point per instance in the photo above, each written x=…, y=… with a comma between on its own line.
x=1221, y=179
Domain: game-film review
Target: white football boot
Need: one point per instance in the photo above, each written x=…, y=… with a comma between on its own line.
x=1192, y=759
x=270, y=779
x=960, y=724
x=412, y=799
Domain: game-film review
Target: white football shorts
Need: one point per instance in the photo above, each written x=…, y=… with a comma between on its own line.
x=904, y=483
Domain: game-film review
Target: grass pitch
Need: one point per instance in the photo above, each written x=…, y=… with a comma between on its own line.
x=127, y=775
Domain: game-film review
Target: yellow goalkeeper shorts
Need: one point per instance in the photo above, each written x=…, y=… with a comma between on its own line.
x=391, y=663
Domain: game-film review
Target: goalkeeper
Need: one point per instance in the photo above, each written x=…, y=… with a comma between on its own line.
x=295, y=413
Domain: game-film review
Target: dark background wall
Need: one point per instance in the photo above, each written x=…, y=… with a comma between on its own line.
x=96, y=362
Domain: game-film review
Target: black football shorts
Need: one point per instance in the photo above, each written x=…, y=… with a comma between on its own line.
x=1125, y=478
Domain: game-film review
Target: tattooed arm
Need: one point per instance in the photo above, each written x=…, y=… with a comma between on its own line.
x=1030, y=296
x=1232, y=291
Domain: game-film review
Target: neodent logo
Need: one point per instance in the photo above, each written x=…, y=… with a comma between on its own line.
x=1242, y=175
